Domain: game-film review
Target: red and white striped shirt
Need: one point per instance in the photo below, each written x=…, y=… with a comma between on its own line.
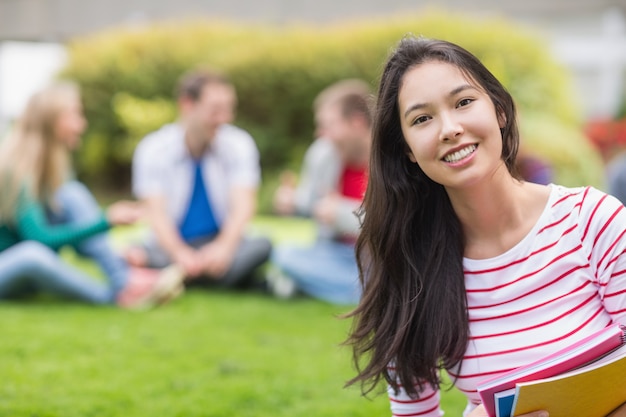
x=563, y=281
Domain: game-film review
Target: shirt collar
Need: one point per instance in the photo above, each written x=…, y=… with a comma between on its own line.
x=180, y=152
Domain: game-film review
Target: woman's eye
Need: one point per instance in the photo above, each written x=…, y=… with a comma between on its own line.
x=464, y=102
x=420, y=120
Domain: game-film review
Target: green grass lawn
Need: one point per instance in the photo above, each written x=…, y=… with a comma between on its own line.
x=211, y=354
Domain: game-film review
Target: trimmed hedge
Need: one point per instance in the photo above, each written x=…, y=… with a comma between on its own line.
x=128, y=76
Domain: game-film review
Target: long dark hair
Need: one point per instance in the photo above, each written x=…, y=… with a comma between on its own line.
x=412, y=317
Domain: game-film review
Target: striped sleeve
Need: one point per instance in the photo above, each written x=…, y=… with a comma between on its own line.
x=427, y=405
x=402, y=405
x=31, y=223
x=603, y=228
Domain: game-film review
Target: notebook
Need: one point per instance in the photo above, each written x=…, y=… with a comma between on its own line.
x=584, y=351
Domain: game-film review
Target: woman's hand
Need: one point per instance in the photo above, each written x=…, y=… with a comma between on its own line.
x=481, y=412
x=124, y=212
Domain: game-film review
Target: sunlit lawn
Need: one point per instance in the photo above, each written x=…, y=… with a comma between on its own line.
x=205, y=354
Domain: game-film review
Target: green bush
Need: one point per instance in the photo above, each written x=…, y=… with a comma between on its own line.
x=128, y=76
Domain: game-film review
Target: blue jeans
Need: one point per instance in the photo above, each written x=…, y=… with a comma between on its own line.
x=327, y=270
x=76, y=205
x=31, y=267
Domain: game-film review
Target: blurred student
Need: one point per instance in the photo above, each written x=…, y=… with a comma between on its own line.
x=331, y=187
x=43, y=209
x=198, y=181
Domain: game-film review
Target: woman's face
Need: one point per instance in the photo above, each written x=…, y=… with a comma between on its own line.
x=71, y=123
x=450, y=125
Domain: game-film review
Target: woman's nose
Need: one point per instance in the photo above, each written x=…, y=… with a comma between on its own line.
x=450, y=127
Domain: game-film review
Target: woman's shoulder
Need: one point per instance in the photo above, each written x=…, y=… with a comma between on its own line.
x=584, y=201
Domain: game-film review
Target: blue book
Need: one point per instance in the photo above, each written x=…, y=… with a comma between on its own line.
x=504, y=402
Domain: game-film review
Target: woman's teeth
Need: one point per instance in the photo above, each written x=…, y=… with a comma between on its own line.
x=458, y=155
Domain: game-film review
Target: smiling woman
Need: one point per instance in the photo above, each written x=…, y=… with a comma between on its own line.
x=449, y=127
x=465, y=267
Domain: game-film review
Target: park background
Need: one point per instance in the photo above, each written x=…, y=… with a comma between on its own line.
x=225, y=354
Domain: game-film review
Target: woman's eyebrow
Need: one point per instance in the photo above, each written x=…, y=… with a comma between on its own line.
x=452, y=93
x=461, y=88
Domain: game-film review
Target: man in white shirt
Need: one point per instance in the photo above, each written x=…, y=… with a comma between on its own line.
x=198, y=180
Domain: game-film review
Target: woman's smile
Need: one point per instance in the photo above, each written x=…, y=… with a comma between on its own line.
x=460, y=155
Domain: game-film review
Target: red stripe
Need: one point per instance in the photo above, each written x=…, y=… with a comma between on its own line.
x=618, y=273
x=610, y=249
x=538, y=289
x=615, y=294
x=421, y=413
x=590, y=219
x=549, y=342
x=615, y=259
x=481, y=375
x=554, y=260
x=520, y=260
x=587, y=301
x=556, y=223
x=616, y=311
x=567, y=197
x=415, y=401
x=608, y=222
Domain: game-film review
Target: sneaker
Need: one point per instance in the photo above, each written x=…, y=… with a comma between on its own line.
x=148, y=288
x=279, y=284
x=139, y=291
x=170, y=284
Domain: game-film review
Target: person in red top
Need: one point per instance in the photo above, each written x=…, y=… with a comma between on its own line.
x=331, y=188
